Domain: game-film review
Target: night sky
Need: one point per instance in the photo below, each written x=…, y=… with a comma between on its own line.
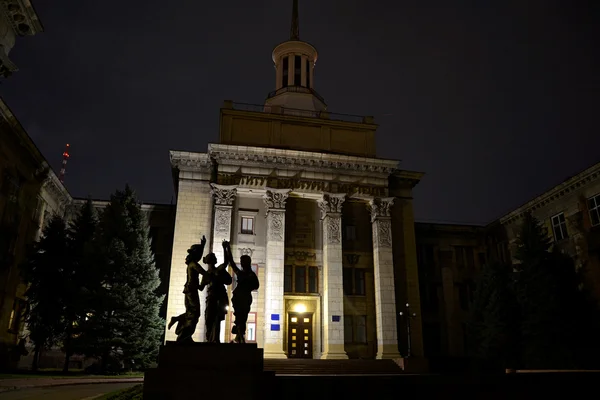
x=495, y=103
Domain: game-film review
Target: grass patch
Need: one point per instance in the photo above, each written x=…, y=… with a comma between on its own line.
x=71, y=375
x=132, y=393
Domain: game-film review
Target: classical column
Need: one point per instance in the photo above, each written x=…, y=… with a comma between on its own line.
x=274, y=313
x=333, y=285
x=385, y=295
x=224, y=197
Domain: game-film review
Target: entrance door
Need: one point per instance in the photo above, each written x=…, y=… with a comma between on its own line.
x=300, y=335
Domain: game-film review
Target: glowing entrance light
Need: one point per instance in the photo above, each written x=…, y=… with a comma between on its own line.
x=300, y=308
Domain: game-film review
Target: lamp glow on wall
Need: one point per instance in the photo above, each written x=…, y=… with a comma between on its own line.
x=300, y=308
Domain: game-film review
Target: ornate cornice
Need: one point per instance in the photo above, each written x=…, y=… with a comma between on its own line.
x=224, y=195
x=22, y=17
x=56, y=190
x=570, y=185
x=300, y=160
x=275, y=198
x=189, y=161
x=331, y=203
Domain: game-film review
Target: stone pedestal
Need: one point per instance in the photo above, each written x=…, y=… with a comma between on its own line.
x=207, y=370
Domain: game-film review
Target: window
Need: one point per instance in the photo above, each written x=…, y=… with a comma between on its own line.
x=286, y=64
x=247, y=225
x=429, y=296
x=355, y=328
x=354, y=281
x=559, y=227
x=463, y=296
x=465, y=257
x=300, y=279
x=481, y=257
x=350, y=232
x=594, y=209
x=307, y=73
x=297, y=71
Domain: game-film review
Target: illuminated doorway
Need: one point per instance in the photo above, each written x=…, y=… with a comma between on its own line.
x=300, y=335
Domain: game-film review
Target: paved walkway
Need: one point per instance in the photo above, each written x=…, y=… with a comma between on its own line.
x=69, y=392
x=24, y=383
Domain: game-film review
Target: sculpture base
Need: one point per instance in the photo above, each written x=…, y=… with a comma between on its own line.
x=207, y=369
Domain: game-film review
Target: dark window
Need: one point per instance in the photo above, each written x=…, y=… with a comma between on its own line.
x=297, y=71
x=465, y=257
x=300, y=279
x=287, y=278
x=355, y=328
x=359, y=282
x=307, y=73
x=594, y=209
x=350, y=232
x=247, y=225
x=286, y=65
x=354, y=281
x=347, y=281
x=361, y=329
x=432, y=339
x=313, y=280
x=295, y=279
x=559, y=226
x=481, y=257
x=429, y=296
x=460, y=257
x=463, y=296
x=348, y=328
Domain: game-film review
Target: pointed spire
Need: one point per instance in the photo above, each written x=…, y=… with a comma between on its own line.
x=295, y=30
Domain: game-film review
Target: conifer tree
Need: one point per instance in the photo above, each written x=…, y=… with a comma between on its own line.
x=125, y=323
x=77, y=294
x=44, y=272
x=547, y=292
x=494, y=317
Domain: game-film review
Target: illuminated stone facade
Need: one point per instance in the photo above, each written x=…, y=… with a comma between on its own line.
x=329, y=226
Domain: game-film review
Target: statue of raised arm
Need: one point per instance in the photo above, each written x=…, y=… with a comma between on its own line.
x=187, y=322
x=247, y=282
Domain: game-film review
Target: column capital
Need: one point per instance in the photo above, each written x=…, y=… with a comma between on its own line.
x=275, y=198
x=380, y=207
x=331, y=203
x=224, y=194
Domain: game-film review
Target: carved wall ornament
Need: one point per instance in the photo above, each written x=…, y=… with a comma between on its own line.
x=331, y=203
x=224, y=195
x=352, y=259
x=275, y=225
x=383, y=232
x=191, y=161
x=380, y=207
x=246, y=251
x=332, y=229
x=222, y=220
x=302, y=255
x=276, y=198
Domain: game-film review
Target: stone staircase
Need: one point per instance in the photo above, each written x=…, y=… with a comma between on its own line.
x=331, y=367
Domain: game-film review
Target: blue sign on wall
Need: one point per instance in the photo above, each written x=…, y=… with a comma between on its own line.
x=274, y=317
x=275, y=327
x=336, y=318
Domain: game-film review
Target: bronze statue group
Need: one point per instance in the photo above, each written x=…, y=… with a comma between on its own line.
x=214, y=279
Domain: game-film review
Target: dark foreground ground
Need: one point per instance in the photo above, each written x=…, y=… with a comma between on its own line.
x=73, y=392
x=514, y=386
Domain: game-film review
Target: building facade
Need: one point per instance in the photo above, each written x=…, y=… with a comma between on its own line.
x=329, y=226
x=17, y=18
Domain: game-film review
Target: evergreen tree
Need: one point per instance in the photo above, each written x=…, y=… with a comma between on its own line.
x=76, y=292
x=44, y=272
x=494, y=318
x=125, y=323
x=548, y=295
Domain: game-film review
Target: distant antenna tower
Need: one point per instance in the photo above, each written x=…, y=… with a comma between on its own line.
x=64, y=164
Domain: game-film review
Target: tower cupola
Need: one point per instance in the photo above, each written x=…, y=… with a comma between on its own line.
x=294, y=77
